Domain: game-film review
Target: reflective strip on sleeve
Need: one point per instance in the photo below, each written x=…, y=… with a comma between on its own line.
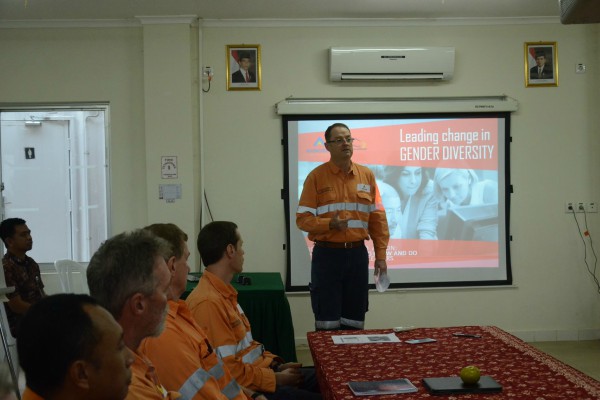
x=217, y=371
x=253, y=355
x=302, y=209
x=231, y=390
x=194, y=383
x=232, y=349
x=240, y=309
x=356, y=223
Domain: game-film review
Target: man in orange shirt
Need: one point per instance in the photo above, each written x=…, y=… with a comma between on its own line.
x=184, y=358
x=340, y=207
x=214, y=305
x=129, y=277
x=71, y=348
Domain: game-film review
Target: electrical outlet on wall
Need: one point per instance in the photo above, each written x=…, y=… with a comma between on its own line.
x=580, y=207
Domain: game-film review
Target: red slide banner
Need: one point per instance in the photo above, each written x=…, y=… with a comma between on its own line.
x=461, y=143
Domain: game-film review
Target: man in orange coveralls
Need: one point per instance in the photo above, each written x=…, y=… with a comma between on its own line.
x=340, y=207
x=129, y=277
x=183, y=355
x=71, y=348
x=214, y=306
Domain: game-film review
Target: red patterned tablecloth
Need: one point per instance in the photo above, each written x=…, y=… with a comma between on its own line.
x=524, y=372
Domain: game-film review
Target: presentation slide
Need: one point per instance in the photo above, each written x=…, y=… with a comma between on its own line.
x=443, y=183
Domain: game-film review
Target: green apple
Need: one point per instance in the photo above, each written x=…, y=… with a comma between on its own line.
x=470, y=375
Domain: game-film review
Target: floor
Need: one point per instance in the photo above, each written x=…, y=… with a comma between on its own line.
x=581, y=355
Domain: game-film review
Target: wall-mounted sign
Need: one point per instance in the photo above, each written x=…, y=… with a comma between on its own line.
x=168, y=167
x=169, y=193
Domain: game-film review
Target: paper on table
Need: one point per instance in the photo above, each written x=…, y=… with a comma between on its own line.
x=362, y=339
x=366, y=388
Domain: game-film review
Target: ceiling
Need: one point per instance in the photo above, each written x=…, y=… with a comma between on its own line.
x=27, y=10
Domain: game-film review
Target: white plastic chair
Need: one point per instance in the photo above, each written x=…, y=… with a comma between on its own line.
x=68, y=270
x=9, y=344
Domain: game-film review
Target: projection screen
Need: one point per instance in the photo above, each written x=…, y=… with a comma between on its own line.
x=443, y=178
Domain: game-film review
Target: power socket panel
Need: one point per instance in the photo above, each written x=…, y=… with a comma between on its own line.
x=581, y=207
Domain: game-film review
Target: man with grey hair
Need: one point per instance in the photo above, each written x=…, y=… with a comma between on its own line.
x=129, y=277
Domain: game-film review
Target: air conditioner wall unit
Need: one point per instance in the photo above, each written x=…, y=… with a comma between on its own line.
x=388, y=63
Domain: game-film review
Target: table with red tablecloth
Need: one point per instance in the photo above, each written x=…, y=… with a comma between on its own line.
x=524, y=372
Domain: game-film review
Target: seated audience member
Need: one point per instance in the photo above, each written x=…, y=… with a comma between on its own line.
x=182, y=354
x=214, y=306
x=129, y=277
x=20, y=271
x=71, y=348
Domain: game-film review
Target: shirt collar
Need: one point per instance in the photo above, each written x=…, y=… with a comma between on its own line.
x=226, y=289
x=175, y=306
x=335, y=169
x=16, y=259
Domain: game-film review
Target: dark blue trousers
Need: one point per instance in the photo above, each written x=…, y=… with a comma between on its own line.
x=339, y=288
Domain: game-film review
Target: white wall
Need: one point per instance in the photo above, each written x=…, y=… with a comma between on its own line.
x=553, y=155
x=554, y=142
x=87, y=65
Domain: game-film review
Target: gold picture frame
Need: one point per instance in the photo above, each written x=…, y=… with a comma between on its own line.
x=541, y=64
x=243, y=67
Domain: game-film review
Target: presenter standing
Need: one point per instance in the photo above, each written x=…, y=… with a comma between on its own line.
x=340, y=207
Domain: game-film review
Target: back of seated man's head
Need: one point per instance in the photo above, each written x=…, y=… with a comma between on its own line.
x=7, y=227
x=214, y=238
x=70, y=347
x=124, y=265
x=173, y=235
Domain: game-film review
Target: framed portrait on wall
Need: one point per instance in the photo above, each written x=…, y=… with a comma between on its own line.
x=243, y=67
x=541, y=64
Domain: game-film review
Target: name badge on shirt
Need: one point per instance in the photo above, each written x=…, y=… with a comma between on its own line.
x=363, y=187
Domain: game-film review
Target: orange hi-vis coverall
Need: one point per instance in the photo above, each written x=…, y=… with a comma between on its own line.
x=214, y=306
x=186, y=361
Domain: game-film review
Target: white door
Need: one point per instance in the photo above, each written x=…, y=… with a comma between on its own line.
x=37, y=183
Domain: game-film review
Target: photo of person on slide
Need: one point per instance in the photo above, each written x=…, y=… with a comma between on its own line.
x=391, y=203
x=462, y=187
x=418, y=206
